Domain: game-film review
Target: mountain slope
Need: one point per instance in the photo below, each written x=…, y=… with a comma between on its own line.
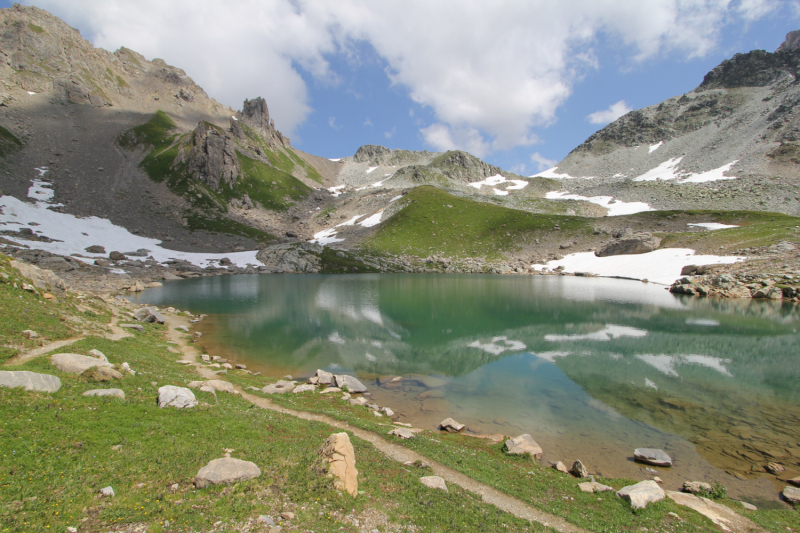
x=732, y=143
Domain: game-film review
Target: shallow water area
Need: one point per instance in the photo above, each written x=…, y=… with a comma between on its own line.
x=591, y=367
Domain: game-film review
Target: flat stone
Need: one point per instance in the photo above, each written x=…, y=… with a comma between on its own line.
x=387, y=411
x=30, y=381
x=749, y=506
x=30, y=334
x=721, y=515
x=352, y=384
x=642, y=493
x=652, y=456
x=306, y=387
x=524, y=445
x=137, y=327
x=593, y=486
x=561, y=467
x=226, y=471
x=287, y=515
x=331, y=389
x=178, y=397
x=403, y=433
x=216, y=384
x=280, y=387
x=102, y=373
x=108, y=492
x=775, y=468
x=98, y=355
x=116, y=393
x=148, y=314
x=339, y=453
x=794, y=481
x=434, y=482
x=450, y=425
x=791, y=494
x=73, y=363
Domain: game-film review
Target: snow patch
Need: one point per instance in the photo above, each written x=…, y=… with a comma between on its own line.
x=328, y=236
x=665, y=171
x=666, y=363
x=668, y=170
x=712, y=225
x=648, y=383
x=702, y=322
x=41, y=190
x=660, y=266
x=493, y=181
x=615, y=207
x=371, y=169
x=552, y=356
x=31, y=93
x=396, y=198
x=712, y=175
x=374, y=220
x=336, y=191
x=551, y=173
x=335, y=160
x=234, y=118
x=654, y=147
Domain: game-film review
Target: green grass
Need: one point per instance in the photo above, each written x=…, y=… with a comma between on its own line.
x=434, y=221
x=156, y=132
x=271, y=187
x=541, y=487
x=54, y=319
x=285, y=159
x=58, y=450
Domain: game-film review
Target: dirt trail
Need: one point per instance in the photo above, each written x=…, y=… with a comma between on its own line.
x=41, y=350
x=393, y=451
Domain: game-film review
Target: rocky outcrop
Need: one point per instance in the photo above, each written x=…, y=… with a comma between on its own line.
x=213, y=157
x=792, y=41
x=338, y=453
x=353, y=385
x=636, y=243
x=380, y=155
x=763, y=286
x=754, y=69
x=256, y=114
x=293, y=257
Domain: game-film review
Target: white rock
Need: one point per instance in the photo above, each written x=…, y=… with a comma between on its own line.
x=331, y=389
x=352, y=384
x=524, y=445
x=107, y=491
x=642, y=493
x=226, y=471
x=216, y=384
x=387, y=411
x=721, y=515
x=127, y=368
x=73, y=363
x=403, y=433
x=179, y=397
x=116, y=393
x=434, y=482
x=98, y=355
x=324, y=378
x=450, y=425
x=306, y=387
x=281, y=387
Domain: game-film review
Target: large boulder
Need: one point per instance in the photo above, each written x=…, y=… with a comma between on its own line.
x=30, y=381
x=637, y=243
x=451, y=426
x=791, y=494
x=226, y=471
x=652, y=456
x=352, y=384
x=73, y=363
x=524, y=445
x=338, y=452
x=178, y=397
x=579, y=470
x=324, y=378
x=642, y=493
x=148, y=314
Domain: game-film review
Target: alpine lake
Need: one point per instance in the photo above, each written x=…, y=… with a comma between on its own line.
x=590, y=367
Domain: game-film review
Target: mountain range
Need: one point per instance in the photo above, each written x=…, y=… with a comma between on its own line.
x=116, y=137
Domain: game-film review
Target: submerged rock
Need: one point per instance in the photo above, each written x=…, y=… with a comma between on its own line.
x=652, y=456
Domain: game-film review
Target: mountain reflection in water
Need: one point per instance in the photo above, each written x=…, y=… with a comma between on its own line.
x=618, y=363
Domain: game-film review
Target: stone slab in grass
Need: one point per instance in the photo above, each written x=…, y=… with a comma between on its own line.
x=434, y=482
x=641, y=494
x=115, y=393
x=178, y=397
x=73, y=363
x=226, y=471
x=30, y=381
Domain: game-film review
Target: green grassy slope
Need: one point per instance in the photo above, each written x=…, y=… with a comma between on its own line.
x=434, y=221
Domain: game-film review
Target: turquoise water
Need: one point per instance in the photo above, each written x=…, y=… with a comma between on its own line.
x=591, y=367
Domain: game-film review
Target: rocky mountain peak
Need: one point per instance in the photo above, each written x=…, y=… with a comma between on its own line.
x=256, y=114
x=754, y=69
x=792, y=41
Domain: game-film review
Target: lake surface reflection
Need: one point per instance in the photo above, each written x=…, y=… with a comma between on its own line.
x=591, y=367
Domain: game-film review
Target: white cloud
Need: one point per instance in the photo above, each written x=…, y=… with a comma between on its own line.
x=389, y=134
x=541, y=162
x=611, y=114
x=368, y=122
x=487, y=84
x=442, y=138
x=332, y=123
x=751, y=10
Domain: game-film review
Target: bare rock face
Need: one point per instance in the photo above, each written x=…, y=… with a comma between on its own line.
x=226, y=471
x=338, y=452
x=301, y=257
x=642, y=493
x=213, y=157
x=524, y=445
x=637, y=243
x=256, y=114
x=792, y=41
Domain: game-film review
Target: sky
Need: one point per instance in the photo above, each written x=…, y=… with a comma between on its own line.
x=519, y=83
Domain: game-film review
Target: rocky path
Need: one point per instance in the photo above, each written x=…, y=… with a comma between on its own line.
x=41, y=350
x=393, y=451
